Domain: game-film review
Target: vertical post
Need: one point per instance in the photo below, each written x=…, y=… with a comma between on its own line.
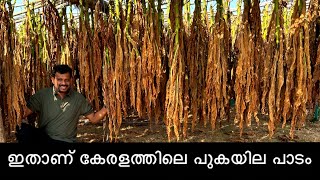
x=2, y=131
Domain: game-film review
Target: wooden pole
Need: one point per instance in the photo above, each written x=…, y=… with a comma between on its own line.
x=2, y=131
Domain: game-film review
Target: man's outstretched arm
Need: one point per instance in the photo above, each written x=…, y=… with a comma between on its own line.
x=97, y=116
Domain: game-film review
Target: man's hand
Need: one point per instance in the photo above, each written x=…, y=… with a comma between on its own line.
x=26, y=112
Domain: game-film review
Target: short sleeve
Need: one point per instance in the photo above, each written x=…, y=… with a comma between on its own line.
x=86, y=108
x=34, y=103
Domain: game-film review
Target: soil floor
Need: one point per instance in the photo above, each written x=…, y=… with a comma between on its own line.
x=134, y=129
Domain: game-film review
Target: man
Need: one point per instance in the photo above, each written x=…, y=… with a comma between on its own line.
x=60, y=108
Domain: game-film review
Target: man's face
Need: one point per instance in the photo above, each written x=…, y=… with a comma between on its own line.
x=61, y=82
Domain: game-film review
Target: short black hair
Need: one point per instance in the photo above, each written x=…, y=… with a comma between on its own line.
x=62, y=69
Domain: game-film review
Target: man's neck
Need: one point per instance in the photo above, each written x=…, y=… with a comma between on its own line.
x=62, y=95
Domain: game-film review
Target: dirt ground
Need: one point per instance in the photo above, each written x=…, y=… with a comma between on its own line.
x=140, y=130
x=134, y=129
